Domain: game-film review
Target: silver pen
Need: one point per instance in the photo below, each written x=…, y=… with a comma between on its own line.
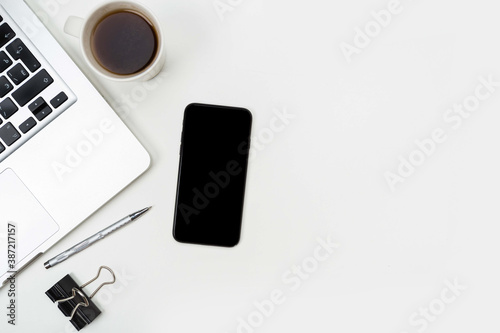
x=94, y=238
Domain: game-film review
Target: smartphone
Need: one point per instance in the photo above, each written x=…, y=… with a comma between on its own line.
x=212, y=175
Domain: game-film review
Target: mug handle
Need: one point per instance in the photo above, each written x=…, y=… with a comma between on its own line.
x=73, y=26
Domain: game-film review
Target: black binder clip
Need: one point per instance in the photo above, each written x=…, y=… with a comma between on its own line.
x=73, y=302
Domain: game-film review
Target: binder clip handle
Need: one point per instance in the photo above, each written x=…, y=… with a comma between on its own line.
x=102, y=284
x=85, y=302
x=75, y=291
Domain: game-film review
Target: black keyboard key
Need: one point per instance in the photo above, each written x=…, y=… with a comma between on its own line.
x=58, y=100
x=18, y=74
x=2, y=148
x=27, y=125
x=32, y=87
x=9, y=134
x=5, y=86
x=1, y=18
x=6, y=34
x=40, y=109
x=5, y=61
x=7, y=108
x=36, y=104
x=42, y=112
x=18, y=50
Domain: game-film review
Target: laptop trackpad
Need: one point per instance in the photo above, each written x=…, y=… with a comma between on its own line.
x=32, y=222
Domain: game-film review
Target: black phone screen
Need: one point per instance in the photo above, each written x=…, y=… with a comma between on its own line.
x=212, y=175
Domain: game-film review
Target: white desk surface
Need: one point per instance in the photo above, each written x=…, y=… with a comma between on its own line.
x=322, y=174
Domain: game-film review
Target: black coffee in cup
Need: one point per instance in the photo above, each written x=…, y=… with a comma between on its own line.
x=124, y=42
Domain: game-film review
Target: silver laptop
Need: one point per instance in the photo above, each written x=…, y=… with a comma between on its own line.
x=63, y=150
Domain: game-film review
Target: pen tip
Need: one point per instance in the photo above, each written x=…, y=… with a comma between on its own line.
x=136, y=215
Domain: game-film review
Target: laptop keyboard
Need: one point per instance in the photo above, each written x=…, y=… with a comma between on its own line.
x=31, y=92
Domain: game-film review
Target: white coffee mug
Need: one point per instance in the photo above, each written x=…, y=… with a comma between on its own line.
x=84, y=28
